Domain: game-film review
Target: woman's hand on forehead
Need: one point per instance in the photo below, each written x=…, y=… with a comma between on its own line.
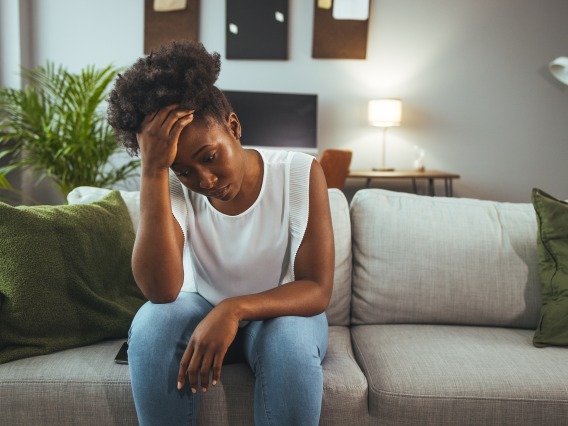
x=159, y=135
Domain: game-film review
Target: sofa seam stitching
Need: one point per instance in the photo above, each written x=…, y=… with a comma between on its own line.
x=457, y=397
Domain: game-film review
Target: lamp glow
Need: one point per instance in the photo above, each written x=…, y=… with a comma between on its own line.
x=385, y=113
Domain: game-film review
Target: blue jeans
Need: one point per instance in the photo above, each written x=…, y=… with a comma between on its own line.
x=285, y=354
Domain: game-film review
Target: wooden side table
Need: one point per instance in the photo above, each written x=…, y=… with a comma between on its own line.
x=413, y=175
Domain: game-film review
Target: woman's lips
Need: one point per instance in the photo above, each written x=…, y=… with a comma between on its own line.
x=219, y=193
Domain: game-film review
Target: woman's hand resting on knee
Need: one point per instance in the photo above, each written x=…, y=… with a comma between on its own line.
x=207, y=347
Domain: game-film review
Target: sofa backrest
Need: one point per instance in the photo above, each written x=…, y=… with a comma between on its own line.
x=338, y=310
x=419, y=259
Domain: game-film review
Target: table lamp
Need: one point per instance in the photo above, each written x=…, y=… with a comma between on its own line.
x=559, y=69
x=385, y=113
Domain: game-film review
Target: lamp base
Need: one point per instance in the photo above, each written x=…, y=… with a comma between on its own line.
x=383, y=169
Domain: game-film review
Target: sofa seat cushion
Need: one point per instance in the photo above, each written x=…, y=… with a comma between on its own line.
x=84, y=386
x=76, y=386
x=434, y=374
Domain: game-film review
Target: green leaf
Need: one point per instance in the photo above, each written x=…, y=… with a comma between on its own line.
x=56, y=125
x=4, y=184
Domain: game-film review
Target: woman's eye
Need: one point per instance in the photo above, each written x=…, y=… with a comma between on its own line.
x=209, y=158
x=183, y=174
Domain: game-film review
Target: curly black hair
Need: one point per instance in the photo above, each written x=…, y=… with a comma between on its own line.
x=183, y=73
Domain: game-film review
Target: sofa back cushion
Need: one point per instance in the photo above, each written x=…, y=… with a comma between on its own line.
x=420, y=259
x=338, y=310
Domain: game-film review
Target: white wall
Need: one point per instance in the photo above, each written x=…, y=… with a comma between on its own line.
x=9, y=43
x=471, y=74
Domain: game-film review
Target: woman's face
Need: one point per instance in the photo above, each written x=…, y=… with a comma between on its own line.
x=210, y=159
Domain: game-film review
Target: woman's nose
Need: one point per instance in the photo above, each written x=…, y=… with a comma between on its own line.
x=207, y=180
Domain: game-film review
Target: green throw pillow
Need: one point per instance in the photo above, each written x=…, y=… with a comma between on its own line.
x=65, y=276
x=552, y=216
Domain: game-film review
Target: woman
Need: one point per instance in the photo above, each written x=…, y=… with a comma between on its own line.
x=235, y=252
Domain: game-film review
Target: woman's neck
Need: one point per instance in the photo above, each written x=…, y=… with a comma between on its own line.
x=253, y=175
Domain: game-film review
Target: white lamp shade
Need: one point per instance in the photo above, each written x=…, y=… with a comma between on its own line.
x=559, y=69
x=385, y=112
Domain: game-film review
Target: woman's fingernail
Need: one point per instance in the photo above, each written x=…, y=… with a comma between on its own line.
x=214, y=382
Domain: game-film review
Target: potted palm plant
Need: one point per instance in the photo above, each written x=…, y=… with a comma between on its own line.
x=56, y=126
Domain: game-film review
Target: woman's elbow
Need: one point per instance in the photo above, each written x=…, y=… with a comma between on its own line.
x=158, y=289
x=325, y=295
x=161, y=296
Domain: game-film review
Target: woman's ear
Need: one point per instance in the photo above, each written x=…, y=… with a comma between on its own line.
x=234, y=126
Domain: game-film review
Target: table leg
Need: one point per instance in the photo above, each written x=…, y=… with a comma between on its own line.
x=431, y=186
x=414, y=188
x=368, y=184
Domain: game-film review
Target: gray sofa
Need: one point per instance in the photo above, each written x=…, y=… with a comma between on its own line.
x=431, y=322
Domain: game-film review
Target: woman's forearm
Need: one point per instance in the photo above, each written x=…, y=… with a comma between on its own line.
x=299, y=298
x=157, y=257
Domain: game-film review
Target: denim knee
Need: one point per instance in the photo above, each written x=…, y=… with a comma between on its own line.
x=285, y=354
x=163, y=323
x=291, y=339
x=158, y=337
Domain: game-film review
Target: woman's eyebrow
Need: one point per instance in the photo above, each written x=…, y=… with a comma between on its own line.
x=175, y=163
x=199, y=150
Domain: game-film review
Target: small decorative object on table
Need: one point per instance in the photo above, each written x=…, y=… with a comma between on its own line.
x=419, y=161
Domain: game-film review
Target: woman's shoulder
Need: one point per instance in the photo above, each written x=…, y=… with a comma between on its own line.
x=276, y=156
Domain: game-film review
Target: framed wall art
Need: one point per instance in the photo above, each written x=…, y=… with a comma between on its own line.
x=257, y=29
x=168, y=20
x=340, y=29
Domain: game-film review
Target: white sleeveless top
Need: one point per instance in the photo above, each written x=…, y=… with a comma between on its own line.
x=226, y=256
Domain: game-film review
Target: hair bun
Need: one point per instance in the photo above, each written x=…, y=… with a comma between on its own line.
x=181, y=72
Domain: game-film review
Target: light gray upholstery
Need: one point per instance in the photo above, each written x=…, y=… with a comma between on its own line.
x=421, y=259
x=345, y=394
x=81, y=386
x=84, y=386
x=459, y=375
x=339, y=306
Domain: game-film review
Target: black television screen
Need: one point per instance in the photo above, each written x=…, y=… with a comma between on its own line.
x=284, y=120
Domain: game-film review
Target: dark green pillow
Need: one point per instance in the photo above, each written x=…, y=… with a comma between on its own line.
x=65, y=276
x=552, y=217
